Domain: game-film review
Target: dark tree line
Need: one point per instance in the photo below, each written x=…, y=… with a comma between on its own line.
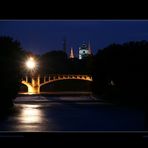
x=11, y=55
x=119, y=72
x=53, y=62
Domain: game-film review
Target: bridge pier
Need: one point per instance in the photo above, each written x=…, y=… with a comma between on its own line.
x=34, y=86
x=33, y=90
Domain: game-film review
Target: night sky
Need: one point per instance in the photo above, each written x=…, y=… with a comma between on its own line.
x=40, y=36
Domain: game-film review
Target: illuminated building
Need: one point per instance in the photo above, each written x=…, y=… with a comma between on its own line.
x=71, y=54
x=84, y=51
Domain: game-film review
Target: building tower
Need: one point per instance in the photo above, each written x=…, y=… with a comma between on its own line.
x=84, y=51
x=71, y=53
x=89, y=48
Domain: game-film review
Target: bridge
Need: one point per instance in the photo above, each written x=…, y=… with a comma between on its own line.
x=38, y=81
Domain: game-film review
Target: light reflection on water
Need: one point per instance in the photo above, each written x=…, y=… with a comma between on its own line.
x=30, y=114
x=30, y=118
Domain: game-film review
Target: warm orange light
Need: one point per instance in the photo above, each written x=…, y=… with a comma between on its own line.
x=31, y=63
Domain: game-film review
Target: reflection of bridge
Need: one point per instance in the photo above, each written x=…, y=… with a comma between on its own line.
x=36, y=82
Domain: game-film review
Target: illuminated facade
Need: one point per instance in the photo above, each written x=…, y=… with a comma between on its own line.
x=84, y=51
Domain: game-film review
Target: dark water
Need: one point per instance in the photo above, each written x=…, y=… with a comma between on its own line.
x=38, y=113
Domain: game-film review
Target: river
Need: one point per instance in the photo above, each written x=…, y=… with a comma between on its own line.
x=70, y=113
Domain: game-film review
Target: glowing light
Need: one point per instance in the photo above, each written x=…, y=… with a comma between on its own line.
x=31, y=63
x=31, y=114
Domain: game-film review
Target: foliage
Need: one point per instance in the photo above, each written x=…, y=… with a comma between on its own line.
x=123, y=65
x=10, y=57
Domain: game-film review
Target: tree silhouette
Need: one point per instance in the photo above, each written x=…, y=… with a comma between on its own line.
x=10, y=56
x=123, y=65
x=53, y=62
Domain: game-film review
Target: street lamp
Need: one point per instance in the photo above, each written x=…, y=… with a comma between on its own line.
x=30, y=63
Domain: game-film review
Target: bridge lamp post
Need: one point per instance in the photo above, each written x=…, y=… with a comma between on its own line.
x=30, y=63
x=31, y=66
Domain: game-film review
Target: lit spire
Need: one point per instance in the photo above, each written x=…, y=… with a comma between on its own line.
x=89, y=48
x=71, y=53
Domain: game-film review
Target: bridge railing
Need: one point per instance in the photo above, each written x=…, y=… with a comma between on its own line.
x=49, y=77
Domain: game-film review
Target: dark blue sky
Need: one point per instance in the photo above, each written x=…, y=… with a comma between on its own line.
x=40, y=36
